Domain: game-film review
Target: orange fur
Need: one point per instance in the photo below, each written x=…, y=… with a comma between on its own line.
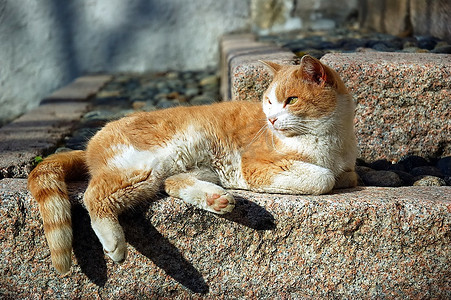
x=193, y=153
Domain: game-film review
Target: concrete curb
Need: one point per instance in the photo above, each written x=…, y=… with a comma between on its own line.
x=39, y=131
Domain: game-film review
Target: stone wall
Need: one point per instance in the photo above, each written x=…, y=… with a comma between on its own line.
x=404, y=17
x=272, y=16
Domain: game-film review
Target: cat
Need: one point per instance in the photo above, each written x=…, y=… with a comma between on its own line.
x=298, y=140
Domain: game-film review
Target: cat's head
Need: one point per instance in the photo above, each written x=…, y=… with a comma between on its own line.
x=301, y=95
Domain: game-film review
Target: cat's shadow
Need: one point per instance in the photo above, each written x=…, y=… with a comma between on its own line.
x=142, y=235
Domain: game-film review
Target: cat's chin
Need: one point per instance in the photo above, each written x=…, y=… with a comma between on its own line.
x=286, y=132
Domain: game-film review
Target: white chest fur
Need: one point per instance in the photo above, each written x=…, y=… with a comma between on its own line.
x=185, y=151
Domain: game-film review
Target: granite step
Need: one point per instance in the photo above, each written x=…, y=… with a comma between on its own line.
x=402, y=99
x=357, y=243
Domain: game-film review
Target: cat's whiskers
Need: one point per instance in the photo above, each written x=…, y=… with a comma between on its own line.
x=258, y=135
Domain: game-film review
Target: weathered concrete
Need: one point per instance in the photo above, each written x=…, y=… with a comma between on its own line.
x=46, y=44
x=39, y=131
x=360, y=243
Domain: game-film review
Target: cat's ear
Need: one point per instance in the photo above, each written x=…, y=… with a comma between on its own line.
x=313, y=70
x=272, y=66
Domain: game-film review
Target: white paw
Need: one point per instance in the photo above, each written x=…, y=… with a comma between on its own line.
x=220, y=204
x=112, y=238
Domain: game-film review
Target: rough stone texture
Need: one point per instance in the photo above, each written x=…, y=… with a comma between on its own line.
x=402, y=17
x=402, y=99
x=431, y=18
x=39, y=131
x=385, y=16
x=361, y=243
x=243, y=76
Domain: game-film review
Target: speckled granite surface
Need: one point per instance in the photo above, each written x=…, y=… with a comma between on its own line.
x=403, y=102
x=361, y=243
x=403, y=99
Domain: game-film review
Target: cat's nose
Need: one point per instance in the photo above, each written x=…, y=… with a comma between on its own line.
x=272, y=120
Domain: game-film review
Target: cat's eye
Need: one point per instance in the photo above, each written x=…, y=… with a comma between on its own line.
x=291, y=100
x=269, y=101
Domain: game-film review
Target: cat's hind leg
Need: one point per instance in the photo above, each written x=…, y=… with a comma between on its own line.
x=198, y=189
x=109, y=194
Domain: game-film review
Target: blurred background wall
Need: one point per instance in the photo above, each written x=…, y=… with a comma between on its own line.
x=44, y=44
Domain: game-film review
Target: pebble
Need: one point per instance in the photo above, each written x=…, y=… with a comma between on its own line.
x=317, y=43
x=444, y=165
x=412, y=161
x=426, y=170
x=382, y=178
x=381, y=164
x=429, y=181
x=409, y=170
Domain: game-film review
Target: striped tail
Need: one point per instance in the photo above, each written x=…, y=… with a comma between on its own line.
x=47, y=184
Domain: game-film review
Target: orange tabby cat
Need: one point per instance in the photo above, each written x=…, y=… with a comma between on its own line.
x=300, y=140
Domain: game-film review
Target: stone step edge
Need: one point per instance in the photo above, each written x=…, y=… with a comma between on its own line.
x=38, y=132
x=240, y=55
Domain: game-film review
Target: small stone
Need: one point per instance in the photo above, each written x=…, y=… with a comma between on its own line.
x=382, y=47
x=443, y=49
x=397, y=167
x=172, y=75
x=413, y=161
x=137, y=105
x=191, y=92
x=161, y=85
x=406, y=178
x=209, y=80
x=361, y=162
x=426, y=170
x=165, y=103
x=444, y=165
x=382, y=178
x=63, y=149
x=380, y=165
x=108, y=94
x=429, y=181
x=173, y=95
x=426, y=42
x=361, y=170
x=97, y=118
x=201, y=100
x=312, y=52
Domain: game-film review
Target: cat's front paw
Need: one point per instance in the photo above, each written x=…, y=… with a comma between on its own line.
x=220, y=203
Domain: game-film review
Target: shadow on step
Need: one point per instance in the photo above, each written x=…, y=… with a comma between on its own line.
x=251, y=215
x=87, y=248
x=143, y=236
